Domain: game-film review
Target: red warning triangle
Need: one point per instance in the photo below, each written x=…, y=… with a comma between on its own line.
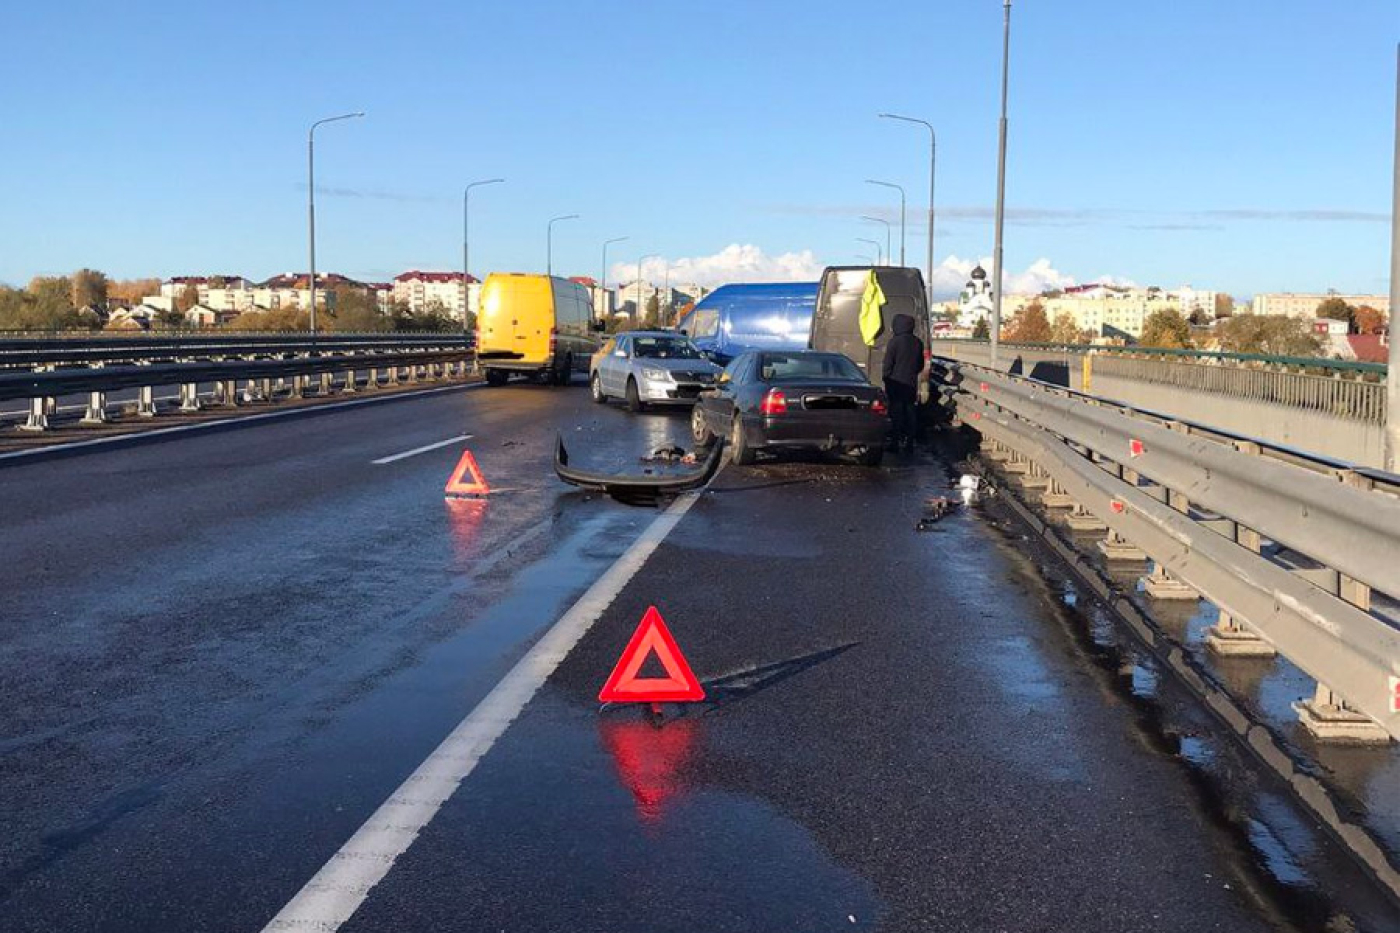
x=679, y=684
x=458, y=484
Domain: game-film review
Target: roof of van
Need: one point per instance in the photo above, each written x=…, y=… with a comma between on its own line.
x=740, y=291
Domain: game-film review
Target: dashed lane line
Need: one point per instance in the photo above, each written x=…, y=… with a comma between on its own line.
x=331, y=898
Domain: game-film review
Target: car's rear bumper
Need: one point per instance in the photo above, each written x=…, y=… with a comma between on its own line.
x=825, y=429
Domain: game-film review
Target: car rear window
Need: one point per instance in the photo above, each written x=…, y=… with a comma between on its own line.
x=779, y=366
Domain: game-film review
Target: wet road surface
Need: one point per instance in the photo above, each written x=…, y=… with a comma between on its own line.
x=222, y=654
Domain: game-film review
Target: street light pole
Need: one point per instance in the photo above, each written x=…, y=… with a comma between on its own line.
x=603, y=279
x=932, y=164
x=549, y=241
x=1392, y=376
x=311, y=201
x=900, y=189
x=466, y=245
x=995, y=334
x=874, y=243
x=880, y=220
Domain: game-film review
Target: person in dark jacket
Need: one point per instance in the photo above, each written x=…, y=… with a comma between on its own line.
x=904, y=367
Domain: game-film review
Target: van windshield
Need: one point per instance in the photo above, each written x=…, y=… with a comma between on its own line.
x=664, y=348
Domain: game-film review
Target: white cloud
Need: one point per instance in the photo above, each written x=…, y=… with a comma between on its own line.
x=952, y=274
x=734, y=263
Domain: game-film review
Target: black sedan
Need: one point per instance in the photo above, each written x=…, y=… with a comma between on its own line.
x=766, y=400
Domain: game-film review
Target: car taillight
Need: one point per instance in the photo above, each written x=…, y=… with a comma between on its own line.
x=878, y=407
x=774, y=403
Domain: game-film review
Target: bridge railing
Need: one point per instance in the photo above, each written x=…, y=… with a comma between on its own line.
x=48, y=352
x=1341, y=388
x=287, y=372
x=1297, y=549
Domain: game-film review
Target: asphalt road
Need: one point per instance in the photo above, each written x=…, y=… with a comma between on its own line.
x=221, y=654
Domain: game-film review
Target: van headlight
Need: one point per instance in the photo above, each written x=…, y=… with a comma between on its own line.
x=658, y=375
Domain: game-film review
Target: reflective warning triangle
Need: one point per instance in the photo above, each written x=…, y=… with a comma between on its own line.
x=652, y=636
x=458, y=484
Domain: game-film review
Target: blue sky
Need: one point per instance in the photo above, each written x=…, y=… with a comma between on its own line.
x=1245, y=146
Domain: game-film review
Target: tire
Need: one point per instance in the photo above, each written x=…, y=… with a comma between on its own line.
x=496, y=377
x=634, y=398
x=700, y=432
x=595, y=386
x=871, y=456
x=740, y=453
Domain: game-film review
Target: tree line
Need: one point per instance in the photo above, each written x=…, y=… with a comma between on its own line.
x=1168, y=328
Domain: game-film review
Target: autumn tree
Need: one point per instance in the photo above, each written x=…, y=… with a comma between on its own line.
x=1065, y=330
x=357, y=310
x=1224, y=305
x=1368, y=320
x=89, y=289
x=1338, y=310
x=980, y=330
x=653, y=312
x=1166, y=328
x=188, y=298
x=1273, y=334
x=1032, y=325
x=131, y=291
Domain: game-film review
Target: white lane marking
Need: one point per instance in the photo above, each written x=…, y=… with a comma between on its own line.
x=239, y=419
x=422, y=450
x=331, y=897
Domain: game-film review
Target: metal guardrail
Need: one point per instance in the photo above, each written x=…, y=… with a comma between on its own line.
x=42, y=387
x=1289, y=544
x=1340, y=388
x=69, y=352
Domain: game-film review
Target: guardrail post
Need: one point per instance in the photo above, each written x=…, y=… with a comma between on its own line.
x=38, y=419
x=226, y=392
x=373, y=381
x=1327, y=717
x=1161, y=585
x=994, y=450
x=1056, y=497
x=1036, y=477
x=1114, y=547
x=327, y=383
x=267, y=389
x=146, y=402
x=96, y=409
x=350, y=382
x=1228, y=638
x=413, y=374
x=393, y=379
x=1081, y=519
x=189, y=396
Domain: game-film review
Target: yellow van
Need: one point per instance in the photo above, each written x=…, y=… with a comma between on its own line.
x=536, y=325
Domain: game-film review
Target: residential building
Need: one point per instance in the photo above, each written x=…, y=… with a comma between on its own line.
x=1304, y=304
x=1197, y=302
x=421, y=291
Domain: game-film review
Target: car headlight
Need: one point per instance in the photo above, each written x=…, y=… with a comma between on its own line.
x=657, y=375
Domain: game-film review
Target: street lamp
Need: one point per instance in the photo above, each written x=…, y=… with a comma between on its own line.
x=311, y=200
x=549, y=241
x=866, y=258
x=900, y=189
x=995, y=334
x=603, y=279
x=880, y=220
x=466, y=241
x=874, y=243
x=932, y=163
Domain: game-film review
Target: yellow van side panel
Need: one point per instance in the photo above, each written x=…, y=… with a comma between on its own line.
x=516, y=316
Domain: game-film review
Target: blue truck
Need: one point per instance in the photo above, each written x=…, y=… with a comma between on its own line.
x=760, y=316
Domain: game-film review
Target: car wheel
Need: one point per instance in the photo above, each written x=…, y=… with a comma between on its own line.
x=700, y=431
x=739, y=450
x=634, y=398
x=595, y=385
x=496, y=377
x=871, y=456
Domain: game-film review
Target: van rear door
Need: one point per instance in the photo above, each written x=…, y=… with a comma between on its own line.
x=836, y=324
